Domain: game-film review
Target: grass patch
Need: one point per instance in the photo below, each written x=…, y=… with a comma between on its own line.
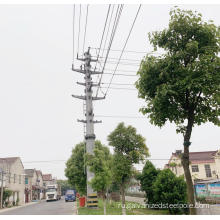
x=115, y=209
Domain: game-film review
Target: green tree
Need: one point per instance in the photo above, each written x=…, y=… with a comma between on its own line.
x=183, y=85
x=129, y=148
x=75, y=168
x=65, y=185
x=170, y=189
x=99, y=164
x=147, y=178
x=6, y=195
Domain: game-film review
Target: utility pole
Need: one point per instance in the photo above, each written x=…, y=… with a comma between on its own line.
x=92, y=201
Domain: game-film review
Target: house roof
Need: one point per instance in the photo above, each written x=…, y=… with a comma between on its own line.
x=29, y=172
x=9, y=160
x=47, y=177
x=200, y=157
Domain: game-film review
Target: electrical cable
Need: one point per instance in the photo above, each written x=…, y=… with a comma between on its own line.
x=103, y=33
x=124, y=47
x=73, y=34
x=87, y=11
x=79, y=29
x=116, y=21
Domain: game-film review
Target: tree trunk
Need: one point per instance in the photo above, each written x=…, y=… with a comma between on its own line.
x=123, y=200
x=185, y=163
x=104, y=203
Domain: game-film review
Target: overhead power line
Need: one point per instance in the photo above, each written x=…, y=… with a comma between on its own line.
x=127, y=71
x=57, y=161
x=124, y=47
x=113, y=58
x=73, y=33
x=119, y=116
x=126, y=64
x=103, y=33
x=87, y=11
x=107, y=34
x=103, y=87
x=79, y=28
x=121, y=84
x=115, y=25
x=120, y=74
x=125, y=51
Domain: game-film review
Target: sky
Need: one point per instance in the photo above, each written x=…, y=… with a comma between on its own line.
x=38, y=116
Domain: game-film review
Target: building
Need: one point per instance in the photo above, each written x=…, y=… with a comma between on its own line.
x=40, y=184
x=34, y=189
x=203, y=165
x=14, y=176
x=48, y=180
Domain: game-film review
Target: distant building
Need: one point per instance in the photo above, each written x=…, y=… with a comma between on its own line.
x=40, y=184
x=14, y=178
x=33, y=185
x=204, y=165
x=48, y=180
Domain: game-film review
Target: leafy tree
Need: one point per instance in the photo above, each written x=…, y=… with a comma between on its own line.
x=129, y=148
x=183, y=85
x=170, y=189
x=75, y=168
x=99, y=164
x=147, y=178
x=65, y=185
x=6, y=195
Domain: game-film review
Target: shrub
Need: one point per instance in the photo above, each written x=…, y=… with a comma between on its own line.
x=170, y=189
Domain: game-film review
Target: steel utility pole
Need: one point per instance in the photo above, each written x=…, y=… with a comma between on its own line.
x=90, y=136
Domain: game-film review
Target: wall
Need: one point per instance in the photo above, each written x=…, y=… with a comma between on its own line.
x=208, y=190
x=18, y=169
x=178, y=170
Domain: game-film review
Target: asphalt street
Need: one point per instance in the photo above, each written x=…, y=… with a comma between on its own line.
x=44, y=208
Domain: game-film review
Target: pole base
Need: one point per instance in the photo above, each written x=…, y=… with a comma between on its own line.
x=92, y=200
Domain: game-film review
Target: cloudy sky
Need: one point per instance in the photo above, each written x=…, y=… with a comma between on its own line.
x=38, y=116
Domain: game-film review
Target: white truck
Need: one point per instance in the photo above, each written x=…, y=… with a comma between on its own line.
x=53, y=192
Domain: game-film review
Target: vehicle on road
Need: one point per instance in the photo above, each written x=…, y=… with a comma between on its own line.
x=70, y=195
x=53, y=192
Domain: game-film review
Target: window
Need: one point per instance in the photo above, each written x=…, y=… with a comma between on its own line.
x=9, y=178
x=19, y=179
x=14, y=178
x=195, y=168
x=26, y=180
x=208, y=170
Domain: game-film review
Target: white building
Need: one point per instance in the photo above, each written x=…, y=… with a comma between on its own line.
x=14, y=178
x=204, y=165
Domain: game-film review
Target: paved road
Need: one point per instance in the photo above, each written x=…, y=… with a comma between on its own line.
x=45, y=208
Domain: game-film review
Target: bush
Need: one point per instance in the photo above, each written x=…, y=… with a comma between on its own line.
x=170, y=189
x=147, y=178
x=6, y=195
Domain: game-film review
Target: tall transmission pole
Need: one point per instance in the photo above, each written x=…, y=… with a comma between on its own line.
x=90, y=135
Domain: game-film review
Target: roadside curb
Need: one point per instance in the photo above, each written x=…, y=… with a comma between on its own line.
x=17, y=207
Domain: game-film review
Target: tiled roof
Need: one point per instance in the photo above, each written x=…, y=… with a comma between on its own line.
x=9, y=160
x=47, y=177
x=29, y=172
x=201, y=157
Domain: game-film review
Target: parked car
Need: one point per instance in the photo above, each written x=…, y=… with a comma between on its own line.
x=70, y=195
